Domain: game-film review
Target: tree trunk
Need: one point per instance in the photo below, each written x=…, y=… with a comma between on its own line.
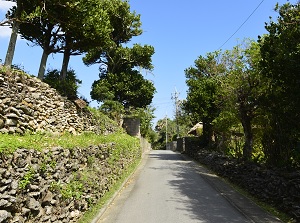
x=65, y=64
x=13, y=38
x=43, y=65
x=47, y=49
x=207, y=133
x=246, y=122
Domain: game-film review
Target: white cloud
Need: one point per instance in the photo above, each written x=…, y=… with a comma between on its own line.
x=5, y=5
x=5, y=31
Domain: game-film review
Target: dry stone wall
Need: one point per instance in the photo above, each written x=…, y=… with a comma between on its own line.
x=280, y=188
x=26, y=103
x=57, y=185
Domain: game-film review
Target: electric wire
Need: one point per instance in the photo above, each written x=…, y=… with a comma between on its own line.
x=241, y=25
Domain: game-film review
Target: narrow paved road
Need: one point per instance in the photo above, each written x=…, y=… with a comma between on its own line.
x=168, y=189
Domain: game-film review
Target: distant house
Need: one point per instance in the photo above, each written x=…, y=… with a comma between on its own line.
x=193, y=130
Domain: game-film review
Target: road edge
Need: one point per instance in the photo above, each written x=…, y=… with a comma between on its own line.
x=242, y=203
x=142, y=162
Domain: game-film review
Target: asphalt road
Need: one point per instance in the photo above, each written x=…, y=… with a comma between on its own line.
x=169, y=189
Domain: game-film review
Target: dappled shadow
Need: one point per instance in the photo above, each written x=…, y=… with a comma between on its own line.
x=196, y=197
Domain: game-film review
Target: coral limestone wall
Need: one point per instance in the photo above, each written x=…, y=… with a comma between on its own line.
x=26, y=103
x=58, y=185
x=54, y=184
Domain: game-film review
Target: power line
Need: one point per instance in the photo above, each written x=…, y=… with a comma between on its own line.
x=242, y=24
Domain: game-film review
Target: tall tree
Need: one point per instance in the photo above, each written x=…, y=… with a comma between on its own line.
x=241, y=88
x=202, y=96
x=86, y=24
x=121, y=81
x=128, y=88
x=70, y=27
x=125, y=24
x=14, y=17
x=280, y=51
x=43, y=30
x=121, y=85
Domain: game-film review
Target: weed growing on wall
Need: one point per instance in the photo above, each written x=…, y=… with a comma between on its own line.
x=28, y=177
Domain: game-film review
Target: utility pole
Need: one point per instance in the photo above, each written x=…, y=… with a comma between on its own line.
x=175, y=97
x=166, y=132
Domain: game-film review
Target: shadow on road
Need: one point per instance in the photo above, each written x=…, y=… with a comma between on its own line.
x=194, y=194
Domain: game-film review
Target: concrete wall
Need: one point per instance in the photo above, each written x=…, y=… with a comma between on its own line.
x=172, y=146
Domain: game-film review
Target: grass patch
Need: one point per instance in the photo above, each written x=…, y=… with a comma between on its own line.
x=40, y=141
x=94, y=210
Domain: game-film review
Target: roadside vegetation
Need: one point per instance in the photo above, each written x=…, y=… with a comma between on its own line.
x=247, y=101
x=248, y=97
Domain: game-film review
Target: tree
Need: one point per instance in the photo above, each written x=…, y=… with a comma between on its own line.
x=241, y=88
x=71, y=27
x=145, y=115
x=280, y=67
x=43, y=29
x=14, y=17
x=129, y=89
x=125, y=25
x=203, y=96
x=121, y=81
x=85, y=25
x=166, y=130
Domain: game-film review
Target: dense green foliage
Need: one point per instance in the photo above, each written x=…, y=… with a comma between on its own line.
x=202, y=96
x=120, y=82
x=121, y=88
x=146, y=116
x=130, y=90
x=280, y=51
x=248, y=97
x=66, y=87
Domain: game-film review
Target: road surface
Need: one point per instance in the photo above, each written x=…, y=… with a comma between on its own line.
x=170, y=189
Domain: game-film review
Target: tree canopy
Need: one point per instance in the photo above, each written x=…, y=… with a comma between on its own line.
x=202, y=96
x=280, y=52
x=251, y=93
x=129, y=89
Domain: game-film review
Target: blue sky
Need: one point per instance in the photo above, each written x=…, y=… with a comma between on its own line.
x=180, y=32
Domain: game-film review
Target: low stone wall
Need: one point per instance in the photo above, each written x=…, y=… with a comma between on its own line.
x=58, y=185
x=276, y=187
x=280, y=188
x=26, y=103
x=145, y=145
